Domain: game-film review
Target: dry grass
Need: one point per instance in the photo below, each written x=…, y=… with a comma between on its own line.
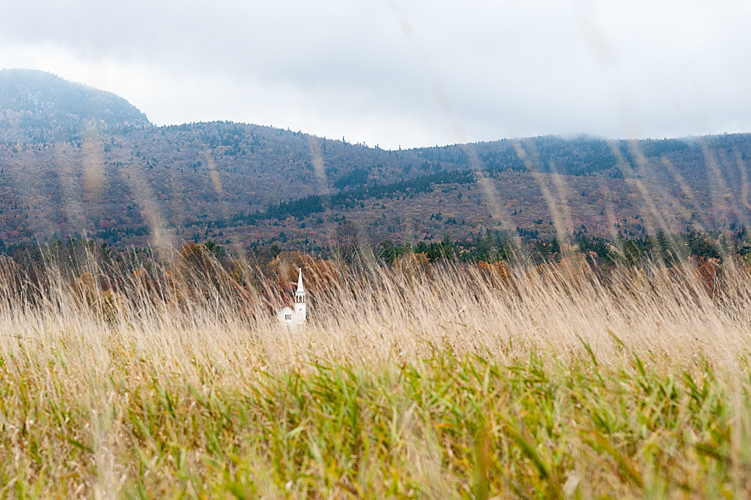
x=437, y=382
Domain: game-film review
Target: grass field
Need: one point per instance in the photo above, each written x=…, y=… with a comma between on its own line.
x=443, y=382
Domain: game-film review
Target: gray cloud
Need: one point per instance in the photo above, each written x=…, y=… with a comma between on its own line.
x=374, y=71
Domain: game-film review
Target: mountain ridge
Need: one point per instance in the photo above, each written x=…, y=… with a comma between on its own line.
x=36, y=106
x=246, y=184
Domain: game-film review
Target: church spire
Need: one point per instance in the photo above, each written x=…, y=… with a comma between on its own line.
x=300, y=289
x=301, y=312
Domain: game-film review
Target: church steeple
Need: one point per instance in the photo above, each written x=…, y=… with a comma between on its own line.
x=301, y=312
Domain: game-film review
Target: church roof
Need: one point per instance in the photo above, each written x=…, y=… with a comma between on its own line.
x=284, y=314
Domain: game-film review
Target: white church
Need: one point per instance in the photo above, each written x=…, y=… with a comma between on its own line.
x=299, y=315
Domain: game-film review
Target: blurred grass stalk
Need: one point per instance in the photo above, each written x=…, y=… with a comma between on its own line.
x=450, y=381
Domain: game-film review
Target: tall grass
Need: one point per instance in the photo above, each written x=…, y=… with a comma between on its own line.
x=413, y=381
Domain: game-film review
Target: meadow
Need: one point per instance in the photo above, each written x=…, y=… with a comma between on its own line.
x=416, y=380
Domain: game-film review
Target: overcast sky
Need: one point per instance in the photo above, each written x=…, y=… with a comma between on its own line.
x=405, y=72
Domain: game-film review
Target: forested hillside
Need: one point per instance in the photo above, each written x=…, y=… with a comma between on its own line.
x=41, y=107
x=77, y=161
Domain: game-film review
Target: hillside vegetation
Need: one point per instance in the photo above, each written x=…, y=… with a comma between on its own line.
x=77, y=161
x=40, y=107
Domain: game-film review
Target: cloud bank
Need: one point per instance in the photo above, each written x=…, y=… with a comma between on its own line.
x=405, y=73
